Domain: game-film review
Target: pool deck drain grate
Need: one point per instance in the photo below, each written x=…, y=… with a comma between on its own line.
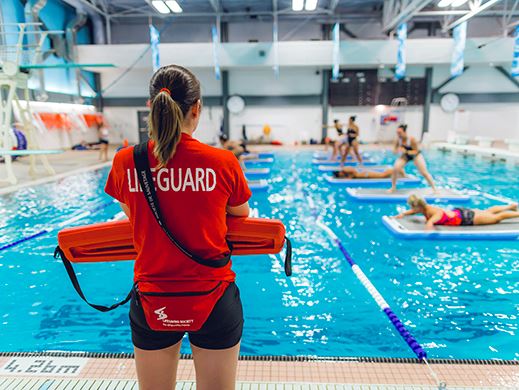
x=118, y=373
x=100, y=384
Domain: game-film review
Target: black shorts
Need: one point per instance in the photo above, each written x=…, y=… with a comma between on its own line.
x=467, y=216
x=223, y=329
x=103, y=141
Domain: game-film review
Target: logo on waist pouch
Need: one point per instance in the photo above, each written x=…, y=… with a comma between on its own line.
x=161, y=315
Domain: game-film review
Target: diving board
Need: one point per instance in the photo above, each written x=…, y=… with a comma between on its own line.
x=374, y=195
x=28, y=152
x=413, y=228
x=408, y=180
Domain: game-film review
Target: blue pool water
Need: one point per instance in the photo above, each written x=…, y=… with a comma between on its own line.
x=459, y=299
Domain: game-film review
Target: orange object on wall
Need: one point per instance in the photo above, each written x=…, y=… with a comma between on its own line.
x=55, y=120
x=93, y=120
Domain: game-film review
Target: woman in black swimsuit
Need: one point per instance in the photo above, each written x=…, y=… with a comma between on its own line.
x=410, y=149
x=335, y=142
x=352, y=141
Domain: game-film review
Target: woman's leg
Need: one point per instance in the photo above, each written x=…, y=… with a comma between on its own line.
x=500, y=209
x=335, y=150
x=345, y=154
x=157, y=370
x=397, y=169
x=357, y=152
x=215, y=368
x=419, y=161
x=486, y=218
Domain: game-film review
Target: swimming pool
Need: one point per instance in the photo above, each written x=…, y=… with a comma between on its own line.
x=459, y=299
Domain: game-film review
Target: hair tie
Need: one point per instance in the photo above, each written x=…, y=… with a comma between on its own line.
x=165, y=90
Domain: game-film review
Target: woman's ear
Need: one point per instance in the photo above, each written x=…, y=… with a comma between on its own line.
x=196, y=110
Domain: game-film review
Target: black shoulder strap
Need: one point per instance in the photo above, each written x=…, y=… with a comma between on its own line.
x=77, y=287
x=140, y=156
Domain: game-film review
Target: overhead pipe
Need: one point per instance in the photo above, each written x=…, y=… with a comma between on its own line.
x=73, y=26
x=98, y=28
x=32, y=15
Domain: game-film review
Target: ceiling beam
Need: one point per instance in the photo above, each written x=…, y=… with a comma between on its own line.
x=216, y=4
x=89, y=5
x=472, y=13
x=400, y=11
x=333, y=5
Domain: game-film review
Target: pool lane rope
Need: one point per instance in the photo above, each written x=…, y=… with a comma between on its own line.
x=378, y=298
x=60, y=225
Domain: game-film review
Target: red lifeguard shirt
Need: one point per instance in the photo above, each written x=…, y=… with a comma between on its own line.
x=194, y=190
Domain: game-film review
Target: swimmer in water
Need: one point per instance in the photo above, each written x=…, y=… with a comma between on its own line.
x=459, y=216
x=410, y=149
x=352, y=173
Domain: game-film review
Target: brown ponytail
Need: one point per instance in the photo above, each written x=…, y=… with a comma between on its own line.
x=173, y=91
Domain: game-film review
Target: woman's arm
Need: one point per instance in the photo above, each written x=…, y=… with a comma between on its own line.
x=415, y=145
x=126, y=209
x=396, y=147
x=242, y=210
x=433, y=219
x=406, y=213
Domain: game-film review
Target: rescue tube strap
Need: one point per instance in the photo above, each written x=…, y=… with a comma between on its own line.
x=140, y=156
x=288, y=258
x=73, y=278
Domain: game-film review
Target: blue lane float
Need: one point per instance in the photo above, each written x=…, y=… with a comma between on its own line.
x=334, y=168
x=58, y=226
x=328, y=155
x=257, y=173
x=379, y=195
x=418, y=350
x=258, y=185
x=261, y=154
x=413, y=228
x=409, y=180
x=346, y=163
x=258, y=161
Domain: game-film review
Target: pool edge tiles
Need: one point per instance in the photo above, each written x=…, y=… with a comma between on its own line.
x=52, y=178
x=306, y=370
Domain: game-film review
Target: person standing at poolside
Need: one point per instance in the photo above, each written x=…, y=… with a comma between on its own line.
x=352, y=141
x=196, y=217
x=410, y=149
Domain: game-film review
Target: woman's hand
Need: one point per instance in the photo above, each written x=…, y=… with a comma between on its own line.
x=400, y=216
x=429, y=226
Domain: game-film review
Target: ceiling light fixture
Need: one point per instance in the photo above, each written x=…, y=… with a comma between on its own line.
x=160, y=6
x=311, y=5
x=298, y=5
x=445, y=3
x=174, y=6
x=458, y=3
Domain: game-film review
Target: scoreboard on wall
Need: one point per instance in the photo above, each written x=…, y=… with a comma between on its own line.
x=365, y=88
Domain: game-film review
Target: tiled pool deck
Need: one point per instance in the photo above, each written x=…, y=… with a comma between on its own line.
x=119, y=373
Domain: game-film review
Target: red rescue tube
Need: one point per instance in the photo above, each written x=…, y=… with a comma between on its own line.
x=113, y=241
